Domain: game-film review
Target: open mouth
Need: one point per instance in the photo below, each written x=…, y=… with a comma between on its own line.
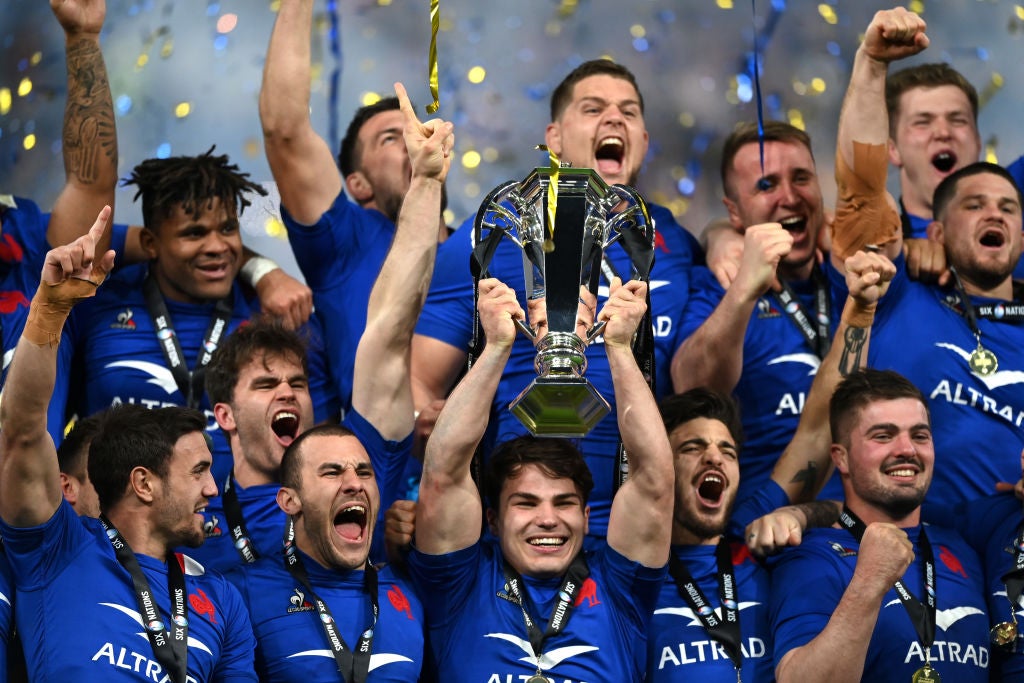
x=609, y=155
x=350, y=522
x=992, y=238
x=794, y=223
x=710, y=488
x=547, y=541
x=286, y=426
x=944, y=162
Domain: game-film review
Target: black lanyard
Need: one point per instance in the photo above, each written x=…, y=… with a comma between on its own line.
x=1014, y=579
x=190, y=384
x=817, y=332
x=169, y=647
x=560, y=615
x=1007, y=312
x=922, y=615
x=236, y=522
x=724, y=629
x=354, y=665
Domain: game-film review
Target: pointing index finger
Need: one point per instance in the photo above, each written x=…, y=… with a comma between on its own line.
x=404, y=104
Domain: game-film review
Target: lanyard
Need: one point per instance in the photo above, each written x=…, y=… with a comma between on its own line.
x=236, y=522
x=816, y=333
x=1014, y=579
x=169, y=647
x=190, y=384
x=724, y=629
x=562, y=612
x=354, y=665
x=922, y=615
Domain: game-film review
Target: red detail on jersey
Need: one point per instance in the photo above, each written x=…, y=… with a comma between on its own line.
x=659, y=243
x=202, y=605
x=588, y=592
x=951, y=561
x=399, y=601
x=9, y=301
x=10, y=250
x=740, y=554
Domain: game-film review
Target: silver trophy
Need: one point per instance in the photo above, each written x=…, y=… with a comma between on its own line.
x=558, y=257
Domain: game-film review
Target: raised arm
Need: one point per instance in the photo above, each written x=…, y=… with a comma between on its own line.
x=449, y=513
x=713, y=355
x=301, y=161
x=89, y=143
x=865, y=213
x=29, y=476
x=640, y=525
x=381, y=390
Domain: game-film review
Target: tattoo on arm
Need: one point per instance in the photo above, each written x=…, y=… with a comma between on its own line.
x=820, y=513
x=89, y=130
x=808, y=477
x=853, y=346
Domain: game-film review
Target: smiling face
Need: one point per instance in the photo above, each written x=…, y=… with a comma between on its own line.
x=336, y=502
x=707, y=478
x=185, y=492
x=934, y=134
x=540, y=521
x=195, y=260
x=887, y=463
x=791, y=196
x=602, y=127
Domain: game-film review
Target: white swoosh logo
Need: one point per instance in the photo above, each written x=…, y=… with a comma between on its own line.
x=1000, y=378
x=944, y=618
x=688, y=613
x=602, y=290
x=3, y=598
x=159, y=375
x=192, y=642
x=376, y=660
x=8, y=357
x=808, y=359
x=548, y=659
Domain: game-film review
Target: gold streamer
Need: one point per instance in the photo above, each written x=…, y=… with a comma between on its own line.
x=549, y=243
x=435, y=23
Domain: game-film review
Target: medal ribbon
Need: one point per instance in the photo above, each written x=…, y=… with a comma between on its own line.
x=1014, y=579
x=725, y=630
x=922, y=615
x=816, y=334
x=354, y=665
x=552, y=192
x=435, y=23
x=190, y=384
x=169, y=647
x=571, y=583
x=236, y=522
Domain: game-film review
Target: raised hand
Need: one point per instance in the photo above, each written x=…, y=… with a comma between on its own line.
x=868, y=275
x=894, y=34
x=764, y=246
x=623, y=311
x=498, y=308
x=80, y=16
x=429, y=144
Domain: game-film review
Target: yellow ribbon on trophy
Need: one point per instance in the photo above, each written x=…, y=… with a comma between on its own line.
x=549, y=243
x=435, y=23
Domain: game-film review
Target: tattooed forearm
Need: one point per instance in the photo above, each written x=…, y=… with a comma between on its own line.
x=90, y=136
x=820, y=513
x=808, y=477
x=853, y=346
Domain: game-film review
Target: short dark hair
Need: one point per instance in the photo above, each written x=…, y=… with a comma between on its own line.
x=924, y=76
x=194, y=182
x=561, y=96
x=702, y=402
x=131, y=436
x=557, y=458
x=861, y=388
x=291, y=461
x=73, y=452
x=946, y=190
x=746, y=133
x=349, y=153
x=259, y=339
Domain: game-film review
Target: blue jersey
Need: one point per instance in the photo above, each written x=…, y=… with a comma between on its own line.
x=291, y=645
x=809, y=580
x=122, y=360
x=6, y=613
x=448, y=316
x=478, y=635
x=265, y=520
x=79, y=618
x=990, y=526
x=779, y=365
x=340, y=257
x=976, y=421
x=680, y=649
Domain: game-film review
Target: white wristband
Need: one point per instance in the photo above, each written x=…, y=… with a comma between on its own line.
x=255, y=268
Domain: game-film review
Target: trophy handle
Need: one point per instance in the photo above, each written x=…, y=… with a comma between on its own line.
x=596, y=330
x=531, y=334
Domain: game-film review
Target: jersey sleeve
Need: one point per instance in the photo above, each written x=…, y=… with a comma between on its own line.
x=328, y=245
x=236, y=663
x=436, y=576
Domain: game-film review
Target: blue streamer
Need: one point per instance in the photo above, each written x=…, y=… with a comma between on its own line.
x=763, y=183
x=334, y=36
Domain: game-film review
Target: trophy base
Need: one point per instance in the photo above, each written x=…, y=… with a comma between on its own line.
x=560, y=406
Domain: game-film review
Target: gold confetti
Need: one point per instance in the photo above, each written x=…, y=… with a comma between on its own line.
x=36, y=58
x=25, y=87
x=724, y=4
x=471, y=159
x=828, y=13
x=5, y=100
x=818, y=85
x=183, y=109
x=275, y=228
x=369, y=98
x=30, y=141
x=477, y=74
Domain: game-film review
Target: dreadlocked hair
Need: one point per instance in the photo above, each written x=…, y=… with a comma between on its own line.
x=193, y=182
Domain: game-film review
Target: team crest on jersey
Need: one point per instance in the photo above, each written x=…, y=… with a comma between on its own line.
x=588, y=593
x=11, y=300
x=765, y=309
x=211, y=527
x=399, y=601
x=10, y=250
x=297, y=602
x=842, y=550
x=124, y=321
x=203, y=606
x=951, y=561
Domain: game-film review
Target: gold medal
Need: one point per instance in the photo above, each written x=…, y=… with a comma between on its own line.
x=926, y=674
x=1004, y=635
x=982, y=361
x=538, y=678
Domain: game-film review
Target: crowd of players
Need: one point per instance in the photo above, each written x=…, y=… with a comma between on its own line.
x=233, y=499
